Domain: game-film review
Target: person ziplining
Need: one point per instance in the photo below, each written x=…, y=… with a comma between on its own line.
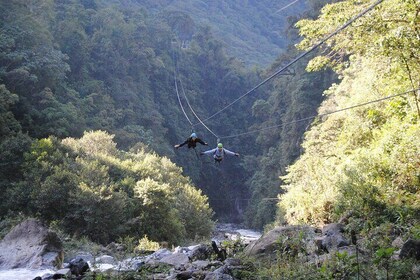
x=219, y=153
x=192, y=142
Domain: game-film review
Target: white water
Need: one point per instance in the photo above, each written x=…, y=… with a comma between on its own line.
x=22, y=274
x=233, y=232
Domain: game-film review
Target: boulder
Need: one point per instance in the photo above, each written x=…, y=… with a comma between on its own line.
x=132, y=263
x=332, y=229
x=184, y=275
x=333, y=237
x=105, y=259
x=78, y=266
x=159, y=254
x=411, y=249
x=232, y=262
x=268, y=244
x=200, y=264
x=177, y=259
x=31, y=245
x=416, y=270
x=62, y=273
x=200, y=252
x=218, y=276
x=398, y=242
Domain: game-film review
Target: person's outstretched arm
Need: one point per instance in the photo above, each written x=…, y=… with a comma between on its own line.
x=182, y=144
x=202, y=142
x=209, y=152
x=231, y=153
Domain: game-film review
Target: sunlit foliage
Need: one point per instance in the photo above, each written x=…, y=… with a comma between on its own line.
x=365, y=159
x=93, y=189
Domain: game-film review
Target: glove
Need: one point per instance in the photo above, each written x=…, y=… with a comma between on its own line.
x=176, y=146
x=206, y=144
x=201, y=153
x=237, y=154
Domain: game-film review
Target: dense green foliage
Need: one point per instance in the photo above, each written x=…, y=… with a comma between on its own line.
x=370, y=150
x=250, y=30
x=93, y=189
x=363, y=162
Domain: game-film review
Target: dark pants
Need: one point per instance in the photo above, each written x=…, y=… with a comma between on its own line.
x=217, y=159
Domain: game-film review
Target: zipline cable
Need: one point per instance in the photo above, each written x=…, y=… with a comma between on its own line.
x=285, y=7
x=176, y=89
x=296, y=59
x=192, y=110
x=320, y=115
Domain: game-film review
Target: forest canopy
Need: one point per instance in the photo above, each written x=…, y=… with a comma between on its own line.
x=93, y=189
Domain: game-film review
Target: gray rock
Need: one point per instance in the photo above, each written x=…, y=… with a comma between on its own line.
x=177, y=259
x=216, y=263
x=105, y=259
x=159, y=276
x=268, y=244
x=80, y=255
x=159, y=254
x=63, y=273
x=222, y=270
x=416, y=270
x=200, y=252
x=398, y=243
x=184, y=250
x=31, y=245
x=201, y=264
x=233, y=262
x=47, y=276
x=333, y=242
x=410, y=249
x=184, y=275
x=333, y=237
x=332, y=229
x=218, y=276
x=132, y=264
x=78, y=266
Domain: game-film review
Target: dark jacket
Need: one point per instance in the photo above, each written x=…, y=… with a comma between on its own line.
x=192, y=143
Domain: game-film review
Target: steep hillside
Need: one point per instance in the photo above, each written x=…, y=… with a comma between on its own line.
x=252, y=31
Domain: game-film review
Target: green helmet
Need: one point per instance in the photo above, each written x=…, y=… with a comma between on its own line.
x=220, y=145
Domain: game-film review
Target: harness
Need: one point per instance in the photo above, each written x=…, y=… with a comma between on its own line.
x=218, y=157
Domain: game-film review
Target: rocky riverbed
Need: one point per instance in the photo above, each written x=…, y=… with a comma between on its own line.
x=30, y=251
x=30, y=257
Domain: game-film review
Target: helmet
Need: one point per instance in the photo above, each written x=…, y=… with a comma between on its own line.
x=193, y=135
x=220, y=145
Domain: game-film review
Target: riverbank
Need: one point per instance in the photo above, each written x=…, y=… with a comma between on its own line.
x=198, y=258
